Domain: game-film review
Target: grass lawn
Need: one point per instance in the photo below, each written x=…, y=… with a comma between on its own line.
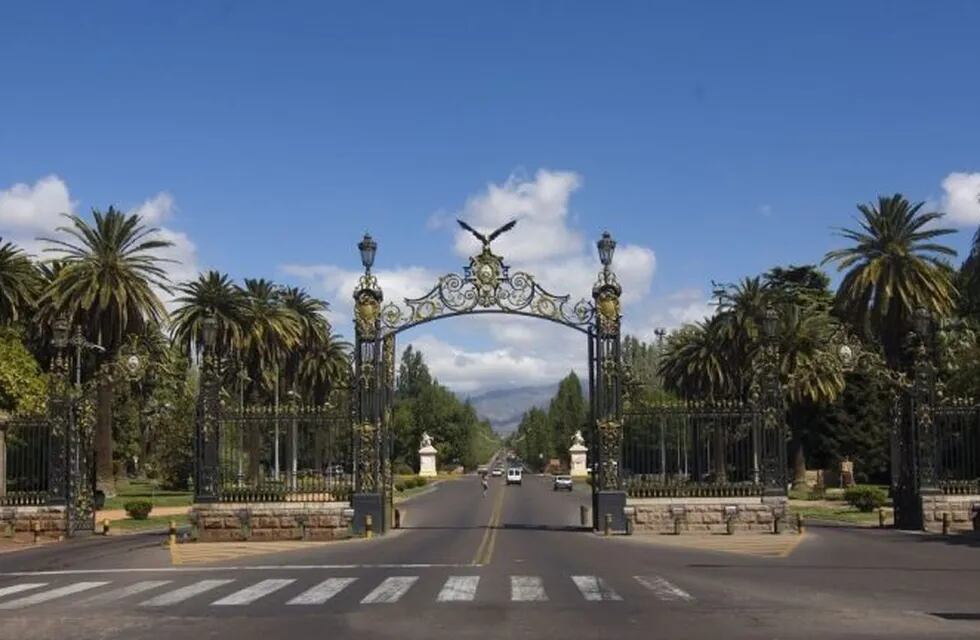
x=841, y=513
x=148, y=490
x=153, y=522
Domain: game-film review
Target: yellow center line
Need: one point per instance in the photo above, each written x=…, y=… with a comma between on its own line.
x=485, y=550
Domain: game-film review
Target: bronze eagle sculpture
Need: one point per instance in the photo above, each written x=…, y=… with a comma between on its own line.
x=486, y=240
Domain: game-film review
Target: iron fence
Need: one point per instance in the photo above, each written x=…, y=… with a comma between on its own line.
x=25, y=445
x=300, y=454
x=695, y=450
x=957, y=425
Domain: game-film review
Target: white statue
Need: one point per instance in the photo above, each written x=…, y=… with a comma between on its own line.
x=426, y=440
x=427, y=456
x=577, y=456
x=577, y=439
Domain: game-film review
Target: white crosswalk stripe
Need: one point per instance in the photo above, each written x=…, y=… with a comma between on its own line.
x=527, y=589
x=184, y=593
x=594, y=589
x=664, y=589
x=123, y=592
x=390, y=590
x=248, y=595
x=52, y=594
x=17, y=588
x=323, y=591
x=459, y=589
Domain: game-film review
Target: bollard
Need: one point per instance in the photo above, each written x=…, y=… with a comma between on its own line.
x=729, y=525
x=945, y=524
x=776, y=517
x=881, y=517
x=629, y=514
x=36, y=528
x=368, y=526
x=608, y=524
x=398, y=519
x=677, y=525
x=799, y=524
x=172, y=533
x=584, y=515
x=105, y=527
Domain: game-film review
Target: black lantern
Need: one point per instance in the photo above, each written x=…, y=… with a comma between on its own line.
x=921, y=321
x=606, y=246
x=769, y=322
x=367, y=246
x=209, y=329
x=59, y=332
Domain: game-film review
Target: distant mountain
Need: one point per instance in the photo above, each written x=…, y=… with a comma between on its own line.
x=503, y=408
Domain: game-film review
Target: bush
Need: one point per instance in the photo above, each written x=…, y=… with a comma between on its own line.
x=399, y=486
x=138, y=509
x=402, y=469
x=420, y=481
x=865, y=498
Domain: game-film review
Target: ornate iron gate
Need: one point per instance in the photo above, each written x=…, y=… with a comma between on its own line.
x=486, y=285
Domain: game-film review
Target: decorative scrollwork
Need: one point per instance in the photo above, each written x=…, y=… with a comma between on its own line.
x=610, y=444
x=487, y=284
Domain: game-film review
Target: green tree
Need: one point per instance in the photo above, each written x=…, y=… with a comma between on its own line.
x=213, y=293
x=893, y=266
x=19, y=283
x=107, y=285
x=22, y=385
x=566, y=414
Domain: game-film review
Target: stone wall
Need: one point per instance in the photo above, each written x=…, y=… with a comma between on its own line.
x=959, y=508
x=708, y=515
x=222, y=522
x=18, y=522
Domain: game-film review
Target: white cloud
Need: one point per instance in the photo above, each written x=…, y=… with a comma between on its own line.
x=544, y=244
x=28, y=211
x=31, y=211
x=961, y=199
x=465, y=370
x=541, y=209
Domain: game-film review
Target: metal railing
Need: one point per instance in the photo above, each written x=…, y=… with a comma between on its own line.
x=295, y=454
x=694, y=449
x=25, y=444
x=957, y=425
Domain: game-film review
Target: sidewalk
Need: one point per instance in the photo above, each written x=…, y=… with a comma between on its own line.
x=120, y=514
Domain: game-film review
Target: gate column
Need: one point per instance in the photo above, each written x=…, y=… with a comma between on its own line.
x=368, y=499
x=609, y=496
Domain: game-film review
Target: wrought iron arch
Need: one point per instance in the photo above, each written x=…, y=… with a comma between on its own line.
x=486, y=286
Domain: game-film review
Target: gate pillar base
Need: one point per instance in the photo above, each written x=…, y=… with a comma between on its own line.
x=368, y=504
x=614, y=504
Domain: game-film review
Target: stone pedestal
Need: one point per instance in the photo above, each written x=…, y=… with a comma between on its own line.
x=578, y=467
x=427, y=461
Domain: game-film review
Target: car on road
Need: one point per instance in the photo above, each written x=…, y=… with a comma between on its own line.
x=563, y=482
x=497, y=472
x=514, y=475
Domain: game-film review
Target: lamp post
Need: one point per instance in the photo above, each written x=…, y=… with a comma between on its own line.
x=78, y=341
x=59, y=409
x=368, y=247
x=206, y=482
x=293, y=439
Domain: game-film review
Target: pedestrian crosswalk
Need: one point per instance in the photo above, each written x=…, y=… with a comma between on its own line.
x=238, y=593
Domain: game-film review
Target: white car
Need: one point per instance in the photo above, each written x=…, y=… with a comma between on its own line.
x=514, y=475
x=563, y=482
x=497, y=472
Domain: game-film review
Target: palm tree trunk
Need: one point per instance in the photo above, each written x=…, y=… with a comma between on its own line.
x=799, y=465
x=105, y=480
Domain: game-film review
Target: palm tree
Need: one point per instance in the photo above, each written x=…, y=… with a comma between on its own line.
x=694, y=362
x=19, y=283
x=893, y=267
x=212, y=293
x=314, y=328
x=270, y=330
x=107, y=286
x=323, y=367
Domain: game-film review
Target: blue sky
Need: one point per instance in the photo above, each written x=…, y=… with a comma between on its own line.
x=716, y=138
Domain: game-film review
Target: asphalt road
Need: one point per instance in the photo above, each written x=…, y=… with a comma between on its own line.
x=513, y=563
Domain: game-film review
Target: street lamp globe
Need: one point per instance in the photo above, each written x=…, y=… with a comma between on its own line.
x=59, y=332
x=607, y=246
x=921, y=321
x=769, y=322
x=368, y=247
x=209, y=329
